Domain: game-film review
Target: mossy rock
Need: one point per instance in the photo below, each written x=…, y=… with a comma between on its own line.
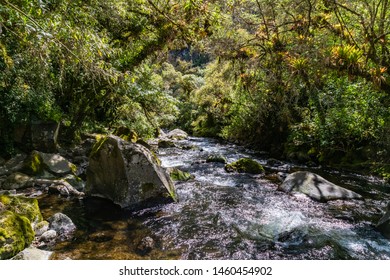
x=16, y=233
x=179, y=175
x=48, y=165
x=245, y=165
x=33, y=165
x=24, y=206
x=217, y=158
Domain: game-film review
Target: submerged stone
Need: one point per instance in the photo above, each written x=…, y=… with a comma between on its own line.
x=179, y=175
x=126, y=173
x=315, y=187
x=217, y=158
x=245, y=165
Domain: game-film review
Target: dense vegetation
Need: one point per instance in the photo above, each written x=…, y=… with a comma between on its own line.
x=303, y=79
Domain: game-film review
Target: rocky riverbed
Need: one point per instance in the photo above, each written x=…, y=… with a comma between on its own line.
x=230, y=204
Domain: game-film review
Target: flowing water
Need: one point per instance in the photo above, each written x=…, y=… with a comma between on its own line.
x=224, y=215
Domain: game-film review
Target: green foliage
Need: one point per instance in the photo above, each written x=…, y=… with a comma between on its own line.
x=350, y=116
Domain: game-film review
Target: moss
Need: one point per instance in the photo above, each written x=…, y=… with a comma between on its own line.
x=245, y=165
x=34, y=164
x=100, y=140
x=16, y=234
x=146, y=189
x=178, y=175
x=216, y=158
x=24, y=206
x=158, y=161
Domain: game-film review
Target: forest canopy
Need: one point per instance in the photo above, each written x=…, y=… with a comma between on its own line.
x=305, y=80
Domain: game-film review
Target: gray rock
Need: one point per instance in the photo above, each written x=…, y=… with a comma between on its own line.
x=16, y=181
x=126, y=173
x=57, y=164
x=41, y=228
x=62, y=224
x=44, y=136
x=146, y=245
x=384, y=223
x=315, y=187
x=177, y=134
x=32, y=253
x=48, y=236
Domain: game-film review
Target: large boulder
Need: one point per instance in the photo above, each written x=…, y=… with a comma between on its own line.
x=315, y=187
x=38, y=135
x=384, y=223
x=126, y=173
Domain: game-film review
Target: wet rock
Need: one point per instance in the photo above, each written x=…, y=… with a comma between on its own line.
x=217, y=158
x=16, y=181
x=62, y=224
x=32, y=253
x=245, y=165
x=177, y=134
x=126, y=173
x=315, y=187
x=384, y=223
x=145, y=246
x=163, y=144
x=179, y=175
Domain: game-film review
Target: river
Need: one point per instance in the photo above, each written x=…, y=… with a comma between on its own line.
x=224, y=215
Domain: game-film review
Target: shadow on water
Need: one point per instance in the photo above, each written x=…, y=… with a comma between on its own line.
x=222, y=215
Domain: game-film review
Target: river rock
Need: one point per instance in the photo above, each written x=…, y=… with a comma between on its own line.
x=315, y=187
x=126, y=173
x=216, y=158
x=245, y=165
x=16, y=181
x=177, y=134
x=17, y=217
x=32, y=253
x=62, y=224
x=41, y=227
x=16, y=233
x=39, y=163
x=384, y=223
x=48, y=236
x=179, y=175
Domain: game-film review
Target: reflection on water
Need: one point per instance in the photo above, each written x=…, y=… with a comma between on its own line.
x=229, y=216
